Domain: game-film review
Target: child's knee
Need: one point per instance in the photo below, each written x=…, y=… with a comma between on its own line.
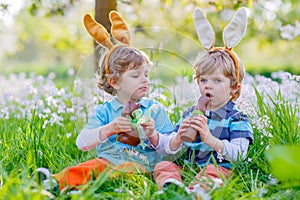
x=164, y=165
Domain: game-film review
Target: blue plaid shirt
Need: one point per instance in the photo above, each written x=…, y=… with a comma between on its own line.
x=117, y=152
x=226, y=123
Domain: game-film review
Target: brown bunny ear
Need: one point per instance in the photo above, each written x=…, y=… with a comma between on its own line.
x=97, y=31
x=119, y=28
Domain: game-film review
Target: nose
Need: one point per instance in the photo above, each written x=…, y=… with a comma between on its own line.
x=145, y=79
x=207, y=85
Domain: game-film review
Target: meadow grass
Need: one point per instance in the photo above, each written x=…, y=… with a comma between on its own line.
x=39, y=123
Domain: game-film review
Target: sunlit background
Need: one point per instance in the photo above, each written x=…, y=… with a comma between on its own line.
x=40, y=39
x=47, y=91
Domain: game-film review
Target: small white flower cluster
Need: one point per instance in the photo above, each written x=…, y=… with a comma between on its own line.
x=262, y=124
x=269, y=88
x=272, y=180
x=289, y=31
x=23, y=95
x=220, y=156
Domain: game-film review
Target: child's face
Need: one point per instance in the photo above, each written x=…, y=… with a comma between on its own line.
x=134, y=84
x=217, y=87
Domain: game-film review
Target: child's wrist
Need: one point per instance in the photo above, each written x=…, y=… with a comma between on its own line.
x=154, y=138
x=154, y=133
x=109, y=130
x=208, y=138
x=177, y=139
x=101, y=134
x=175, y=143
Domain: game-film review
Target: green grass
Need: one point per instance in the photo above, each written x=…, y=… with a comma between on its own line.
x=25, y=144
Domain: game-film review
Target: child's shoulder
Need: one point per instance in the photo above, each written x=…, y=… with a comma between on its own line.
x=148, y=102
x=108, y=104
x=237, y=114
x=188, y=111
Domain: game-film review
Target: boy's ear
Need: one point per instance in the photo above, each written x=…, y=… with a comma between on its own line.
x=235, y=88
x=114, y=83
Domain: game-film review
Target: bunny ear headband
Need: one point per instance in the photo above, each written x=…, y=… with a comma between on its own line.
x=119, y=31
x=232, y=34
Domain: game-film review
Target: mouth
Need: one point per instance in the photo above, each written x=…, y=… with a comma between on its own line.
x=208, y=95
x=143, y=88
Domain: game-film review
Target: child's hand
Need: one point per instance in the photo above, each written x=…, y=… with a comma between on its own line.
x=186, y=123
x=121, y=124
x=200, y=124
x=176, y=141
x=149, y=130
x=149, y=127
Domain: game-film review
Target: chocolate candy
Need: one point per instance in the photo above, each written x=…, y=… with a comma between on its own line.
x=191, y=134
x=130, y=137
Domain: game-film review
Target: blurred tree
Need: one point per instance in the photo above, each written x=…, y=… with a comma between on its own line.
x=102, y=9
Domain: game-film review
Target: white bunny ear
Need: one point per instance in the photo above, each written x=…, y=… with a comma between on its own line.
x=204, y=30
x=236, y=29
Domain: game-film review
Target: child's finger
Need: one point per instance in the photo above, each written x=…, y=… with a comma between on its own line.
x=148, y=122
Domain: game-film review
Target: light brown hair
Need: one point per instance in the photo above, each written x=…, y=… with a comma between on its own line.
x=123, y=58
x=212, y=60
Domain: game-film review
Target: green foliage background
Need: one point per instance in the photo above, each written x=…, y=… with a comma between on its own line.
x=54, y=39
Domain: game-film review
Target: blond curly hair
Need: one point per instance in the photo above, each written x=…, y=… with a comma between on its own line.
x=212, y=60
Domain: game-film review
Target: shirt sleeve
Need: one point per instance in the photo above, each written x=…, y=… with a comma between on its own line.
x=162, y=122
x=161, y=142
x=240, y=127
x=88, y=139
x=167, y=146
x=163, y=146
x=163, y=126
x=235, y=148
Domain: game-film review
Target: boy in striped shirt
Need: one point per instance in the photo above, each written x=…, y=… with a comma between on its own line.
x=224, y=133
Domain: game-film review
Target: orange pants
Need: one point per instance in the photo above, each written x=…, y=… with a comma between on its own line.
x=81, y=173
x=166, y=170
